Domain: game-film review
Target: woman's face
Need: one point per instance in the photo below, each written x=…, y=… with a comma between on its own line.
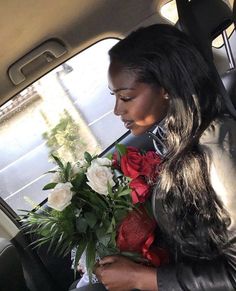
x=139, y=105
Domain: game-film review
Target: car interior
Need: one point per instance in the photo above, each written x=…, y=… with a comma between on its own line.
x=54, y=53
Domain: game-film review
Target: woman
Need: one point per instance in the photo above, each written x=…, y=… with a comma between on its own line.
x=159, y=77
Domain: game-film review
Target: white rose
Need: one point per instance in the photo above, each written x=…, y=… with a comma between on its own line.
x=79, y=167
x=83, y=163
x=57, y=177
x=102, y=162
x=60, y=197
x=99, y=177
x=76, y=169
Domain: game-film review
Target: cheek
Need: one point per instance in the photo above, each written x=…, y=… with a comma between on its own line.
x=146, y=113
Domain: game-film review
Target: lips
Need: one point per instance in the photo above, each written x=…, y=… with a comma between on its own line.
x=128, y=123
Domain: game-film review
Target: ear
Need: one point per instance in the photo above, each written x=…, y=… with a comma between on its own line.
x=164, y=93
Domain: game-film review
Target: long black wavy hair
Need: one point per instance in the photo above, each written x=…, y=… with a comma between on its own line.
x=162, y=55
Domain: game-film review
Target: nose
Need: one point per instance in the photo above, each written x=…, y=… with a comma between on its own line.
x=119, y=108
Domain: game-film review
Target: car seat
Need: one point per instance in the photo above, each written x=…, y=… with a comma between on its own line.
x=204, y=20
x=229, y=77
x=11, y=272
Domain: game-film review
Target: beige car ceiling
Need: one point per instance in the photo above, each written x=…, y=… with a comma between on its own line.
x=25, y=24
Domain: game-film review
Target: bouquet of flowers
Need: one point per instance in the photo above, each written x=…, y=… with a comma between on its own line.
x=99, y=206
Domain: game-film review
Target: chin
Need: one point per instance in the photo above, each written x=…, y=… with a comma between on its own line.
x=138, y=132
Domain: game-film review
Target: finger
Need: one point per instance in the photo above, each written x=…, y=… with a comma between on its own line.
x=107, y=260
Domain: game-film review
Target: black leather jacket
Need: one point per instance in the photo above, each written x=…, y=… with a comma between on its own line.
x=219, y=144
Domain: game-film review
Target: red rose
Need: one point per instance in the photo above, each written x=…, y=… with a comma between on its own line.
x=136, y=234
x=134, y=230
x=140, y=190
x=150, y=167
x=131, y=163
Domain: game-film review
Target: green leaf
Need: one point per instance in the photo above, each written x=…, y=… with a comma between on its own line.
x=105, y=239
x=88, y=203
x=124, y=192
x=79, y=179
x=88, y=158
x=67, y=171
x=111, y=226
x=79, y=251
x=58, y=161
x=110, y=192
x=121, y=149
x=109, y=156
x=103, y=251
x=53, y=243
x=81, y=225
x=96, y=201
x=51, y=172
x=91, y=218
x=112, y=242
x=90, y=256
x=120, y=214
x=100, y=232
x=49, y=186
x=105, y=224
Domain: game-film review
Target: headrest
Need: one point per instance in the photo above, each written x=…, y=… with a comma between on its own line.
x=212, y=16
x=203, y=20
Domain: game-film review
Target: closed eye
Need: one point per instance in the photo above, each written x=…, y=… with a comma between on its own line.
x=123, y=98
x=126, y=99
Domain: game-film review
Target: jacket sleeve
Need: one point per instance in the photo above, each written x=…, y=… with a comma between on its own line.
x=219, y=146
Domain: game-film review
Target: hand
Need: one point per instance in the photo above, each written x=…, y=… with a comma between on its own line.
x=118, y=273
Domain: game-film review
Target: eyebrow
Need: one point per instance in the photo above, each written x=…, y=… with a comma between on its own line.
x=121, y=89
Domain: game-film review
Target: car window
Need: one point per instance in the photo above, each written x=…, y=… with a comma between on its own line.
x=169, y=11
x=67, y=112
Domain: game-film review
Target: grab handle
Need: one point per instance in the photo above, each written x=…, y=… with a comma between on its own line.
x=51, y=47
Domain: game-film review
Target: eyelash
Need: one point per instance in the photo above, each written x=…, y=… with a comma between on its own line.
x=124, y=99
